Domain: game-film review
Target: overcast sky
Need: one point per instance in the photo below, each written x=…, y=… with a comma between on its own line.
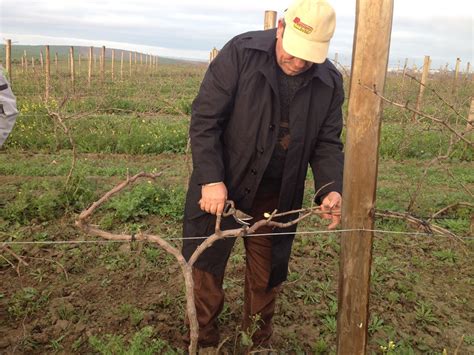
x=190, y=28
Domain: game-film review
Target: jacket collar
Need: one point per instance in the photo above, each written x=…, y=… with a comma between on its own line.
x=265, y=41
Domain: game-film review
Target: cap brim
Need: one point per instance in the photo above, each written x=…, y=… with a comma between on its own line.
x=302, y=48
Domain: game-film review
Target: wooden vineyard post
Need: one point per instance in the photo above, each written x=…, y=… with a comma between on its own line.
x=135, y=59
x=79, y=62
x=369, y=67
x=71, y=58
x=468, y=70
x=121, y=66
x=424, y=78
x=456, y=74
x=405, y=67
x=130, y=62
x=23, y=65
x=41, y=60
x=102, y=65
x=269, y=21
x=8, y=59
x=33, y=63
x=213, y=54
x=56, y=62
x=25, y=58
x=47, y=73
x=470, y=118
x=113, y=60
x=89, y=74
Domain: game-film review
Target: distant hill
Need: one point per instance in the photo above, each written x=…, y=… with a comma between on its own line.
x=63, y=53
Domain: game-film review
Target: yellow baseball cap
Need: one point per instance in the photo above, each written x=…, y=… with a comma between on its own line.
x=310, y=25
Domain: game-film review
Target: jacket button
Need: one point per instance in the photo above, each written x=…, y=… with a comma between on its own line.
x=253, y=171
x=247, y=190
x=272, y=127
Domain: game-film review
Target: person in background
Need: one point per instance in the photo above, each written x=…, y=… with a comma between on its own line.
x=269, y=106
x=8, y=110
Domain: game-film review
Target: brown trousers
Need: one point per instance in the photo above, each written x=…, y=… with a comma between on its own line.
x=259, y=299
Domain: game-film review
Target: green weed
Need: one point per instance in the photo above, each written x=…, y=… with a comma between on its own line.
x=446, y=255
x=26, y=302
x=424, y=313
x=134, y=314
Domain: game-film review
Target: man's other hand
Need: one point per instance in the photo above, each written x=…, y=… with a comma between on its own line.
x=213, y=197
x=332, y=202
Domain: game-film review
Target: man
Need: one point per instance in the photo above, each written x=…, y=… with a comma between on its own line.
x=8, y=110
x=269, y=106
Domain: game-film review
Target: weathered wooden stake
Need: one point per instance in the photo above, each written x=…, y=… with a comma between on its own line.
x=405, y=67
x=369, y=67
x=135, y=58
x=424, y=79
x=468, y=69
x=269, y=21
x=79, y=62
x=470, y=118
x=8, y=59
x=22, y=65
x=47, y=73
x=456, y=74
x=141, y=60
x=56, y=62
x=113, y=60
x=41, y=60
x=130, y=62
x=89, y=74
x=213, y=54
x=33, y=62
x=26, y=60
x=71, y=58
x=102, y=64
x=121, y=66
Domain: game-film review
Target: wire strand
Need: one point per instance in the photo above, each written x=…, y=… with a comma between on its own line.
x=381, y=231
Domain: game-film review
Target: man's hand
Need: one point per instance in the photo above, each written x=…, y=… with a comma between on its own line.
x=332, y=202
x=213, y=197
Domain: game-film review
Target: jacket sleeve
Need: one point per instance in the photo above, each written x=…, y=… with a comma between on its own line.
x=210, y=110
x=8, y=108
x=327, y=161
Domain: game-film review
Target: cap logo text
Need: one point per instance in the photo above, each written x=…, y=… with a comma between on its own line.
x=301, y=26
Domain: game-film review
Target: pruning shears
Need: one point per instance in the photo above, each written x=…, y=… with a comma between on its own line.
x=239, y=216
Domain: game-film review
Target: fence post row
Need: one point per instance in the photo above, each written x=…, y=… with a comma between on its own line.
x=369, y=66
